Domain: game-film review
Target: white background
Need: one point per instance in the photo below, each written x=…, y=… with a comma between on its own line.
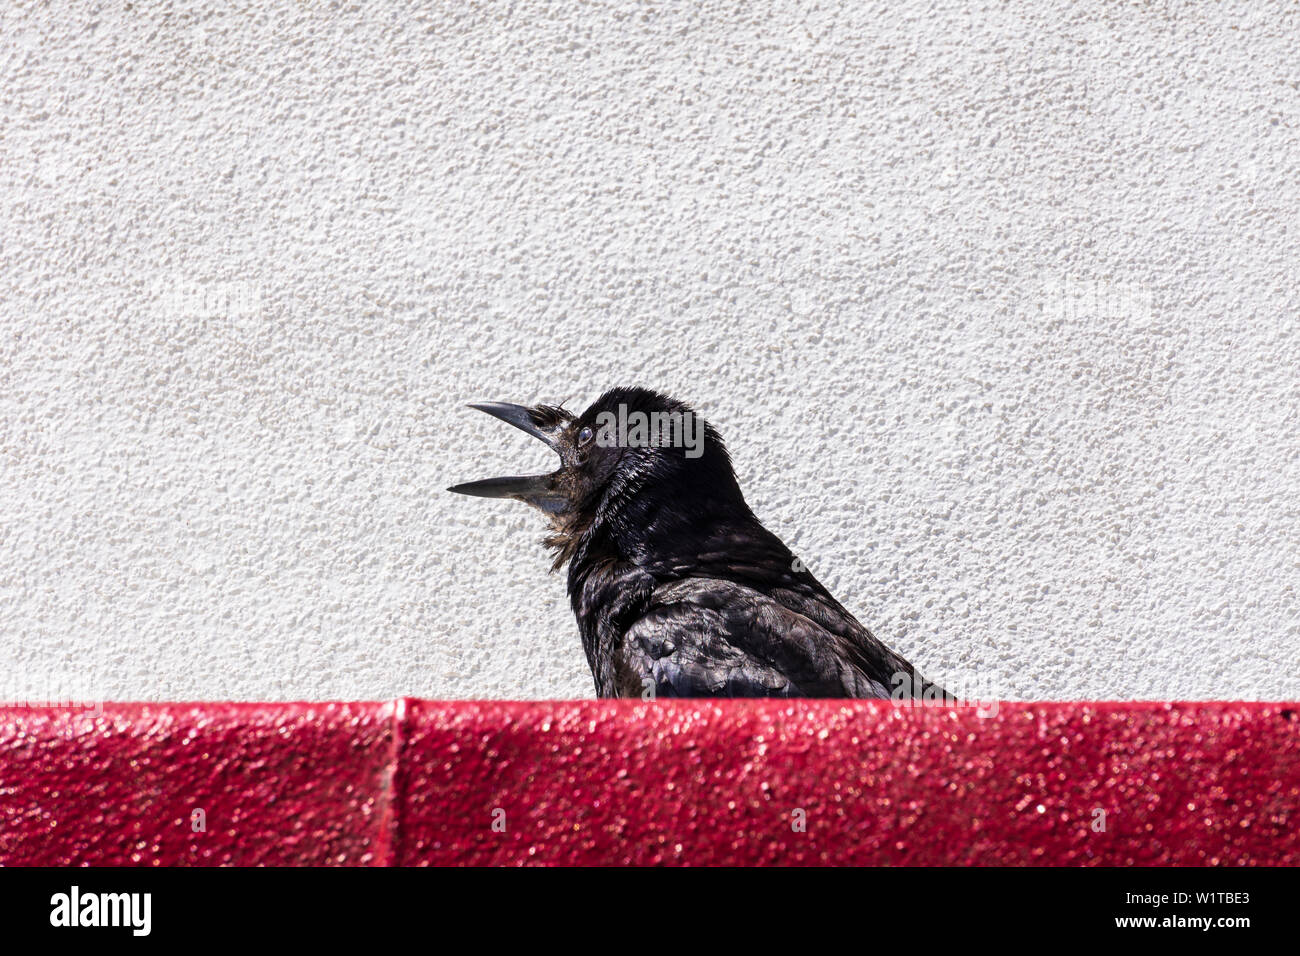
x=995, y=304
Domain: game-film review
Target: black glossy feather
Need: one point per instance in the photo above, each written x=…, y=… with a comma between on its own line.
x=679, y=591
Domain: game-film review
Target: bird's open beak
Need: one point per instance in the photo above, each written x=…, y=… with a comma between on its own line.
x=540, y=491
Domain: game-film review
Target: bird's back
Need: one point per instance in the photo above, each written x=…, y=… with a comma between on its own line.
x=727, y=612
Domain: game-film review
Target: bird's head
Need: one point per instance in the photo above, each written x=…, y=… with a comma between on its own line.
x=630, y=454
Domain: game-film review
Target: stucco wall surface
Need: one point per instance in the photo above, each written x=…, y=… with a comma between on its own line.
x=995, y=304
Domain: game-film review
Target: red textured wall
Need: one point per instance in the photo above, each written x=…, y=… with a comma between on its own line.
x=411, y=782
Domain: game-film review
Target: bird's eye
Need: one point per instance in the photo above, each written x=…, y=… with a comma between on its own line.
x=585, y=436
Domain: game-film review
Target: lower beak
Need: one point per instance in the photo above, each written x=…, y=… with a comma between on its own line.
x=536, y=490
x=540, y=491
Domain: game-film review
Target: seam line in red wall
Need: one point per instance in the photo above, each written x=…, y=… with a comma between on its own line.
x=388, y=840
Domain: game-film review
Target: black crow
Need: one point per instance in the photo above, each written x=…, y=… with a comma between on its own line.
x=678, y=589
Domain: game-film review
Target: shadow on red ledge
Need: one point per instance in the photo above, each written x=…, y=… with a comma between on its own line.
x=699, y=782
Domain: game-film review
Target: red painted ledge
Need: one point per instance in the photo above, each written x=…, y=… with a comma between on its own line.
x=701, y=782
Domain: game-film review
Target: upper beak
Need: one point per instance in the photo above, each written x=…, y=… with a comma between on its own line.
x=522, y=418
x=540, y=491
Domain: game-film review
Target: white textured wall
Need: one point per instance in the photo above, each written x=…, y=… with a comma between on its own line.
x=995, y=303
